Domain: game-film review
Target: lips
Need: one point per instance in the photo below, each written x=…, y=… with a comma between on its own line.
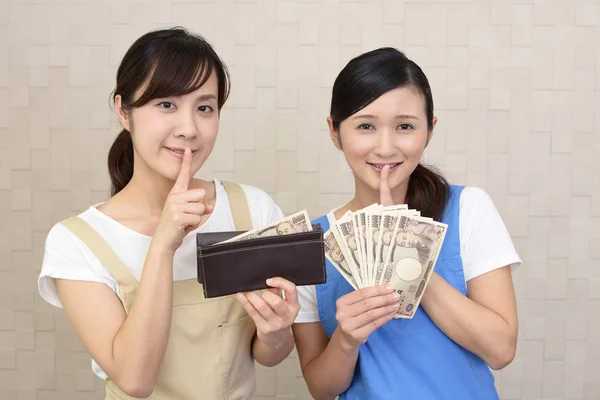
x=379, y=167
x=178, y=151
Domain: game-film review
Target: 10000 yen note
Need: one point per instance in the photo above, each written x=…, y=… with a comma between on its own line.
x=295, y=223
x=334, y=254
x=346, y=238
x=410, y=259
x=362, y=222
x=388, y=223
x=373, y=226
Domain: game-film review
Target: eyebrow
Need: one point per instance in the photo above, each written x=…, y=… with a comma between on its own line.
x=399, y=116
x=207, y=96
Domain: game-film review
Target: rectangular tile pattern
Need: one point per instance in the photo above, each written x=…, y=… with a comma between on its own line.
x=517, y=92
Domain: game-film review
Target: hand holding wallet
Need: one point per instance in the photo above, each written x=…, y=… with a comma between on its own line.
x=232, y=262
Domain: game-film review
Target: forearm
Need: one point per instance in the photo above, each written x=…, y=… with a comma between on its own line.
x=331, y=373
x=271, y=355
x=140, y=344
x=471, y=325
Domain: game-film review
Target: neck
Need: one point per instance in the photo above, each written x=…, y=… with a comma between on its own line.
x=149, y=189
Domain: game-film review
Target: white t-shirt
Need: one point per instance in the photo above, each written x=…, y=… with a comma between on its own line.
x=485, y=245
x=66, y=257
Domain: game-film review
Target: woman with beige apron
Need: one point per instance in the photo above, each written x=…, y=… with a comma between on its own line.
x=125, y=270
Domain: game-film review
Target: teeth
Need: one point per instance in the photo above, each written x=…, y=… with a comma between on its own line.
x=380, y=166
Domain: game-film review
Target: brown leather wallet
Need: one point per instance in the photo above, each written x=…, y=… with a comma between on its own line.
x=245, y=265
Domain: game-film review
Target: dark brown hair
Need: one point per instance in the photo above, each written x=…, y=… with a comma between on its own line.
x=361, y=82
x=167, y=62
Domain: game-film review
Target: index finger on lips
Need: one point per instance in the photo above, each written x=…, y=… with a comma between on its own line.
x=385, y=195
x=185, y=173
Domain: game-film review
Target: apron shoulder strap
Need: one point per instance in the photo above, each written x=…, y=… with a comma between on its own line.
x=239, y=206
x=101, y=249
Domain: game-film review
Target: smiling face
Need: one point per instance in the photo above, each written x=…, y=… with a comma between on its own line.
x=162, y=128
x=392, y=130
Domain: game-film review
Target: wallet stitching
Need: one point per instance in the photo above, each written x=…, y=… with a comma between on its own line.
x=315, y=232
x=265, y=246
x=323, y=264
x=203, y=278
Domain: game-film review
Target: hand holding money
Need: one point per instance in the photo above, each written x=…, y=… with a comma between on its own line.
x=386, y=245
x=361, y=312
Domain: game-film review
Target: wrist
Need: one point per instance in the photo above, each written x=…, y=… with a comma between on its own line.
x=157, y=249
x=276, y=339
x=346, y=345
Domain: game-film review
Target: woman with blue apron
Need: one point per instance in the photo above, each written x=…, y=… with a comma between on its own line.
x=348, y=342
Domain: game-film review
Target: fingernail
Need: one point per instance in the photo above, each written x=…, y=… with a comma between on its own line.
x=388, y=287
x=239, y=296
x=395, y=296
x=396, y=306
x=269, y=281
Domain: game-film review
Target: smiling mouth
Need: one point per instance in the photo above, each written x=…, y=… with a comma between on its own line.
x=379, y=167
x=178, y=150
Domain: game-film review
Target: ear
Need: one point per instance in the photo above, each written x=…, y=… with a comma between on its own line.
x=430, y=133
x=335, y=135
x=122, y=114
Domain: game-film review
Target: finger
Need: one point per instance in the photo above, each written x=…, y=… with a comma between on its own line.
x=195, y=195
x=291, y=293
x=385, y=196
x=365, y=293
x=367, y=329
x=261, y=306
x=190, y=221
x=276, y=303
x=372, y=303
x=353, y=324
x=185, y=173
x=250, y=309
x=193, y=208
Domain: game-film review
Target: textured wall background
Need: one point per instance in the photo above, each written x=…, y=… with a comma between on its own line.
x=517, y=91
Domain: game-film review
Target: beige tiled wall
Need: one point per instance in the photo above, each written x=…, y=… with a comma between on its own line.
x=517, y=90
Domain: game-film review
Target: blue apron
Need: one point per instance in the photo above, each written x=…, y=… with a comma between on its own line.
x=412, y=358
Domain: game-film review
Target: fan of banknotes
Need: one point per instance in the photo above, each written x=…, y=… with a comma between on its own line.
x=386, y=245
x=295, y=223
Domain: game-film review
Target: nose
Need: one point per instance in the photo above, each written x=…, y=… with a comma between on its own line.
x=384, y=147
x=187, y=127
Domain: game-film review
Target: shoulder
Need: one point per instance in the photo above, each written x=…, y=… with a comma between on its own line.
x=67, y=257
x=263, y=209
x=257, y=196
x=61, y=239
x=477, y=208
x=485, y=241
x=472, y=196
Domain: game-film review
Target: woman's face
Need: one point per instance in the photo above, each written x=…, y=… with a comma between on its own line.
x=163, y=128
x=392, y=130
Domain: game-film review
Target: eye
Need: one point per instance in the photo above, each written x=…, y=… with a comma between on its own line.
x=405, y=127
x=167, y=105
x=205, y=108
x=366, y=126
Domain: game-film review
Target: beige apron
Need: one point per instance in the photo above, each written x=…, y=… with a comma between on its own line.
x=208, y=353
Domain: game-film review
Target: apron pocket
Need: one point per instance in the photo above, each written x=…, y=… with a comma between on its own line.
x=237, y=363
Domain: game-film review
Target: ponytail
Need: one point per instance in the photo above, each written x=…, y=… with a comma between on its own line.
x=120, y=162
x=427, y=192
